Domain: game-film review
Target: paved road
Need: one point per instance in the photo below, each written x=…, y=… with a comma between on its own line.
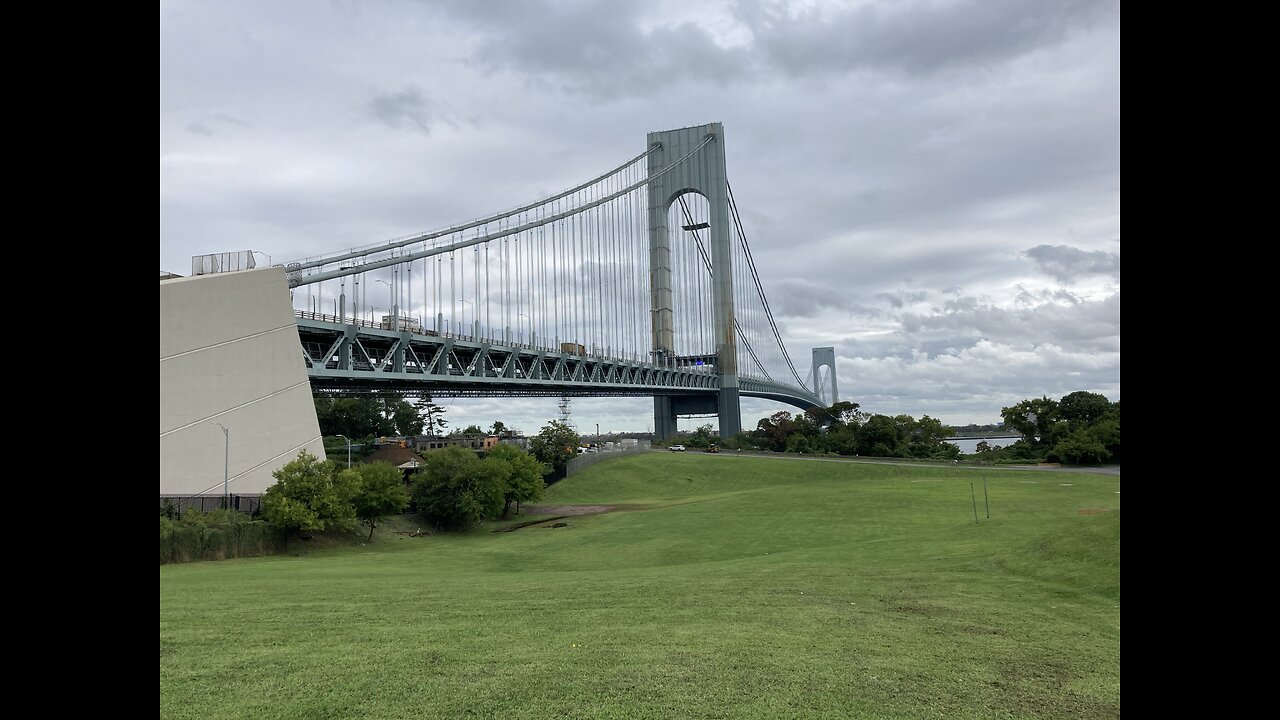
x=1102, y=469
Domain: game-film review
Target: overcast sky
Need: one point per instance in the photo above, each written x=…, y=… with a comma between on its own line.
x=930, y=186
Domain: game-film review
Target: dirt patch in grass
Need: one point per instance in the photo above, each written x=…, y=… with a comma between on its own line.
x=560, y=512
x=1091, y=511
x=568, y=510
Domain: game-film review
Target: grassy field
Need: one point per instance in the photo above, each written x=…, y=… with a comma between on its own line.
x=731, y=588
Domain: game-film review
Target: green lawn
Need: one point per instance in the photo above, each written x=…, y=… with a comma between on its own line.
x=744, y=588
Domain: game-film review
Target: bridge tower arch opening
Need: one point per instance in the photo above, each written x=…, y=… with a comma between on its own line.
x=824, y=383
x=705, y=175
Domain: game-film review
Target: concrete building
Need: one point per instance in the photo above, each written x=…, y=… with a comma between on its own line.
x=520, y=441
x=229, y=359
x=472, y=442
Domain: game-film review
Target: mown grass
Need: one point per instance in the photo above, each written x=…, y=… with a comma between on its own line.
x=746, y=588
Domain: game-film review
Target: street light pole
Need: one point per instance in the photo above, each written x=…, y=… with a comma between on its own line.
x=530, y=338
x=226, y=465
x=390, y=302
x=344, y=437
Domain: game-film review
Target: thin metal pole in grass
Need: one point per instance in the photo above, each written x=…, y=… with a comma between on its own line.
x=974, y=498
x=986, y=499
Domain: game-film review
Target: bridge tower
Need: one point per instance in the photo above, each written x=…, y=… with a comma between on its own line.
x=704, y=175
x=825, y=357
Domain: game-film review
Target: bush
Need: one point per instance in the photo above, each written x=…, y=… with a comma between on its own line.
x=457, y=490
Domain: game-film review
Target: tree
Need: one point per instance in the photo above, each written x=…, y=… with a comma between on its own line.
x=879, y=437
x=1081, y=409
x=381, y=493
x=774, y=430
x=456, y=490
x=926, y=438
x=555, y=445
x=1035, y=420
x=309, y=494
x=1080, y=446
x=840, y=413
x=1107, y=432
x=742, y=441
x=353, y=417
x=799, y=443
x=843, y=438
x=434, y=414
x=701, y=437
x=498, y=428
x=406, y=418
x=525, y=480
x=399, y=413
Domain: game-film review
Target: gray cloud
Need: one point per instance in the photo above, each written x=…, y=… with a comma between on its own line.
x=608, y=49
x=902, y=298
x=794, y=297
x=1068, y=263
x=893, y=162
x=214, y=124
x=402, y=107
x=915, y=36
x=596, y=48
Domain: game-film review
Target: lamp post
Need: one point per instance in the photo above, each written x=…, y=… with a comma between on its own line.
x=526, y=317
x=390, y=301
x=226, y=465
x=344, y=437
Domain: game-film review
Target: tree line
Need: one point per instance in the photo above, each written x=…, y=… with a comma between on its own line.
x=455, y=488
x=842, y=429
x=1082, y=427
x=379, y=415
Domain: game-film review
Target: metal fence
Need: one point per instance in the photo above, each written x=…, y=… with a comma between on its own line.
x=222, y=262
x=586, y=460
x=250, y=504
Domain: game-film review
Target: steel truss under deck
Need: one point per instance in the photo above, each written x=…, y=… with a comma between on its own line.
x=345, y=357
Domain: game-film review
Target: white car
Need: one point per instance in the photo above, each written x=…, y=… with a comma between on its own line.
x=677, y=448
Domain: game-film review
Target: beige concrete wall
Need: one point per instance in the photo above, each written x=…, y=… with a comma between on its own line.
x=229, y=354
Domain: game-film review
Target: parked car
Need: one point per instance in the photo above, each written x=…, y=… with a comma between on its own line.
x=677, y=448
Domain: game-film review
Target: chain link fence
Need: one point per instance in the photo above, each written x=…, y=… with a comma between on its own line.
x=586, y=460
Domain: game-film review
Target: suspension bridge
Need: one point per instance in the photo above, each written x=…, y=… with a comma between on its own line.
x=637, y=282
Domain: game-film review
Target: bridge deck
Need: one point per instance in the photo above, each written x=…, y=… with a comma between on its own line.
x=357, y=355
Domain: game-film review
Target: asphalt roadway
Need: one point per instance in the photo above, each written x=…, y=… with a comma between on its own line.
x=1100, y=469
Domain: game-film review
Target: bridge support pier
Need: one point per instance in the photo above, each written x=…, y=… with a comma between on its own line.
x=664, y=418
x=667, y=410
x=730, y=412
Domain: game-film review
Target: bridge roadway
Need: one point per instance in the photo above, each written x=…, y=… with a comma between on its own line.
x=357, y=356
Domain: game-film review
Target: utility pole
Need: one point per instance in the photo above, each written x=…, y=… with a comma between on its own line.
x=344, y=437
x=226, y=466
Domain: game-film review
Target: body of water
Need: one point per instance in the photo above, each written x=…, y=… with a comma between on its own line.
x=969, y=446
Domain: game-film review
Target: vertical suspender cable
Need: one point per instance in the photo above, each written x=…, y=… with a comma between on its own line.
x=556, y=282
x=488, y=320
